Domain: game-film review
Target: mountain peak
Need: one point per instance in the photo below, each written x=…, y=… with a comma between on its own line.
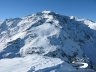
x=46, y=11
x=47, y=41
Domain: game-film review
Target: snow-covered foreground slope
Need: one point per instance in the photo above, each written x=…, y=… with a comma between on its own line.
x=33, y=62
x=47, y=42
x=37, y=63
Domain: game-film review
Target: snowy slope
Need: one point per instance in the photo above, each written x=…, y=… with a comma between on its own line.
x=47, y=42
x=28, y=63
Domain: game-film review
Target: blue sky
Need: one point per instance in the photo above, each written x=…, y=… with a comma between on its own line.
x=19, y=8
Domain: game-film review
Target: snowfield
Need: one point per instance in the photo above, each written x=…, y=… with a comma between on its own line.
x=33, y=62
x=47, y=42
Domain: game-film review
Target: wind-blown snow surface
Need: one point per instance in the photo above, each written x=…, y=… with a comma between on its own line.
x=47, y=42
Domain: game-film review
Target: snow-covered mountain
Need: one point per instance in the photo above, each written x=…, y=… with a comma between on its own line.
x=47, y=42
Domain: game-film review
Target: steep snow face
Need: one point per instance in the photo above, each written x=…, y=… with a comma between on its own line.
x=90, y=24
x=50, y=36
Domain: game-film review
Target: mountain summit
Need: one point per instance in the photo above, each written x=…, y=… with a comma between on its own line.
x=47, y=42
